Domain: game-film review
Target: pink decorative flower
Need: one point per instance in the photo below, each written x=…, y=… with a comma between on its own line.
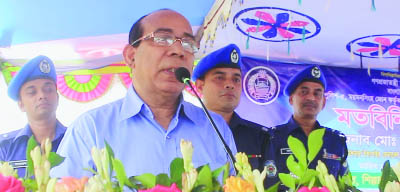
x=71, y=184
x=10, y=184
x=314, y=189
x=160, y=188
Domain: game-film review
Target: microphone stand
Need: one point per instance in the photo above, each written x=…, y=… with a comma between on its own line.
x=226, y=147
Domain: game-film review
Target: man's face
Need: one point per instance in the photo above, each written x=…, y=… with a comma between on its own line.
x=308, y=100
x=153, y=65
x=38, y=98
x=221, y=88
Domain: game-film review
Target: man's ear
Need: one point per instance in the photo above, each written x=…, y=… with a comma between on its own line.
x=291, y=99
x=21, y=105
x=200, y=85
x=129, y=55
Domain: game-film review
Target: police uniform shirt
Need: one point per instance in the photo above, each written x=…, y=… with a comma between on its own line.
x=333, y=152
x=13, y=146
x=250, y=139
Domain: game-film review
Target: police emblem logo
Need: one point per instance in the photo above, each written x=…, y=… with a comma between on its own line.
x=44, y=66
x=261, y=85
x=315, y=72
x=234, y=56
x=271, y=168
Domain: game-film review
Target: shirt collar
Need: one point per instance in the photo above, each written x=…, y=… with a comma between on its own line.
x=132, y=104
x=236, y=120
x=27, y=132
x=292, y=125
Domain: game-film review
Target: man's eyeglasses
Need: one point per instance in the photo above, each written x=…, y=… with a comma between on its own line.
x=167, y=39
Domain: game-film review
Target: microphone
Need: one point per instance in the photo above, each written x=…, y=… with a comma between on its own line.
x=183, y=76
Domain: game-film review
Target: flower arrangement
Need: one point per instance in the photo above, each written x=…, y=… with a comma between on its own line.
x=110, y=175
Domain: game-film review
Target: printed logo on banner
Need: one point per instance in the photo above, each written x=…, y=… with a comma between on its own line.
x=376, y=46
x=261, y=85
x=275, y=24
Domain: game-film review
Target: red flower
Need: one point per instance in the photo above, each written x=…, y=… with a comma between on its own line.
x=10, y=184
x=160, y=188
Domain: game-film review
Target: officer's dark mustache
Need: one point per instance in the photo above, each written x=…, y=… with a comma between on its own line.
x=309, y=103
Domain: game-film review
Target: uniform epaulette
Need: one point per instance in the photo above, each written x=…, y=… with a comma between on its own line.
x=8, y=136
x=336, y=132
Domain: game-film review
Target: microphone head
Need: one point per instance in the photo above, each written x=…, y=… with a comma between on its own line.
x=182, y=74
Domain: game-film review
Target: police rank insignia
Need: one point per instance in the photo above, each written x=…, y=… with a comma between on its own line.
x=44, y=66
x=234, y=56
x=271, y=168
x=315, y=72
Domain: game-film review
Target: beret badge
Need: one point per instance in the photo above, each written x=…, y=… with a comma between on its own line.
x=44, y=66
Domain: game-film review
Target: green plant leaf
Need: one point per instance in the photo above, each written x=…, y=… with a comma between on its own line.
x=30, y=184
x=315, y=142
x=298, y=150
x=205, y=178
x=387, y=175
x=176, y=170
x=121, y=174
x=294, y=166
x=148, y=180
x=273, y=188
x=200, y=188
x=30, y=146
x=308, y=175
x=287, y=180
x=55, y=159
x=163, y=179
x=217, y=172
x=110, y=155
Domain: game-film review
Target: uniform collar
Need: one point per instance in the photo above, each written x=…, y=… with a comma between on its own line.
x=236, y=120
x=27, y=132
x=132, y=104
x=292, y=125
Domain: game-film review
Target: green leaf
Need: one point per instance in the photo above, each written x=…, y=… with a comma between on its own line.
x=110, y=155
x=287, y=180
x=30, y=184
x=217, y=172
x=200, y=188
x=30, y=146
x=226, y=172
x=148, y=180
x=298, y=150
x=176, y=170
x=163, y=179
x=121, y=174
x=205, y=178
x=294, y=167
x=308, y=175
x=273, y=188
x=387, y=175
x=315, y=141
x=55, y=159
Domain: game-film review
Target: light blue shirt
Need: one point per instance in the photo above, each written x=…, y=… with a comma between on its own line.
x=13, y=146
x=142, y=145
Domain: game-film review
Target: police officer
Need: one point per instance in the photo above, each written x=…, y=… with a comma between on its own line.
x=34, y=88
x=306, y=95
x=219, y=79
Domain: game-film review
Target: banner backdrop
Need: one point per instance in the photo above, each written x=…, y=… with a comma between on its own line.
x=362, y=104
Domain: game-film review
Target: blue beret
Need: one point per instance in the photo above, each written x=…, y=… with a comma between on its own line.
x=312, y=73
x=40, y=67
x=226, y=57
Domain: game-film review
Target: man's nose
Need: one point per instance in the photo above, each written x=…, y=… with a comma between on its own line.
x=177, y=48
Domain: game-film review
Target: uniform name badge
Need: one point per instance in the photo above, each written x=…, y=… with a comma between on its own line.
x=18, y=164
x=286, y=151
x=271, y=168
